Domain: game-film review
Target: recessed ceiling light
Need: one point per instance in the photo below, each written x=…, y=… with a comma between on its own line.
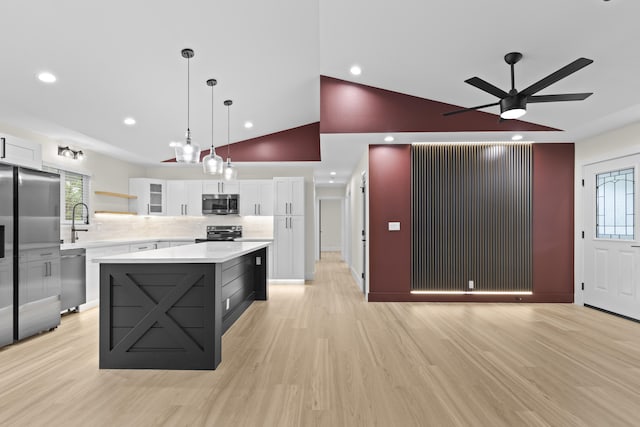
x=248, y=125
x=516, y=137
x=47, y=77
x=129, y=121
x=332, y=173
x=331, y=182
x=356, y=70
x=389, y=138
x=174, y=144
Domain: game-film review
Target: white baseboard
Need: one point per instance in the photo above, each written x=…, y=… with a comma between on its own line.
x=356, y=277
x=89, y=305
x=331, y=249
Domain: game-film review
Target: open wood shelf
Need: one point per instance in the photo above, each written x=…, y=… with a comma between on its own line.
x=116, y=212
x=111, y=194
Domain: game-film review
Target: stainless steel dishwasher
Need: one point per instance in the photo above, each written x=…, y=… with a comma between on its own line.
x=73, y=275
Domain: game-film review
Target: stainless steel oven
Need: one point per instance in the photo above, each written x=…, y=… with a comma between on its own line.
x=220, y=204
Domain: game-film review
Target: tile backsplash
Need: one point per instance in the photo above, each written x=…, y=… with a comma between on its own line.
x=109, y=226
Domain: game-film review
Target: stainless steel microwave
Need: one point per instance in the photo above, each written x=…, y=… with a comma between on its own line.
x=220, y=204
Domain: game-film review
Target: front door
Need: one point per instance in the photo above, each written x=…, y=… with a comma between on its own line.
x=612, y=240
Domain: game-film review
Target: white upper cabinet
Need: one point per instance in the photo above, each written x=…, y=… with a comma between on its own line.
x=212, y=186
x=289, y=196
x=152, y=195
x=184, y=198
x=20, y=152
x=256, y=197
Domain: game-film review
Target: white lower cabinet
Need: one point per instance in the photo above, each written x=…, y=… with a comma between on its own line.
x=182, y=243
x=288, y=247
x=139, y=247
x=93, y=269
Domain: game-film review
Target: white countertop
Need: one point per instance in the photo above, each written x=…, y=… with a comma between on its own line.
x=82, y=244
x=88, y=244
x=207, y=252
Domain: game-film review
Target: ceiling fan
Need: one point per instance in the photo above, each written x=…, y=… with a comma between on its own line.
x=513, y=104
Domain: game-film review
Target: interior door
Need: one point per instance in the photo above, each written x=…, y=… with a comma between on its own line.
x=612, y=240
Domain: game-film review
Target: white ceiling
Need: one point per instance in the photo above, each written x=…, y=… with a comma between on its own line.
x=122, y=58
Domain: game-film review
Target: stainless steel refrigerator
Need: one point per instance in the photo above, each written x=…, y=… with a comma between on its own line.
x=30, y=252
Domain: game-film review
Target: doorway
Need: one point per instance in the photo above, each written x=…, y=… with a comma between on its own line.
x=330, y=217
x=611, y=238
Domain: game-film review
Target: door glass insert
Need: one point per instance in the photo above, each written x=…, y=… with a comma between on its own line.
x=615, y=204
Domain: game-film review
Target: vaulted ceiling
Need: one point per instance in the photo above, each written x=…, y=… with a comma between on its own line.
x=120, y=58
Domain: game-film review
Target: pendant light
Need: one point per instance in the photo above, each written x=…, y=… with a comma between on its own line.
x=230, y=172
x=212, y=163
x=187, y=152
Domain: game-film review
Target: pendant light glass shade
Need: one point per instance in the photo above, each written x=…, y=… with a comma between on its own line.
x=212, y=164
x=187, y=152
x=230, y=172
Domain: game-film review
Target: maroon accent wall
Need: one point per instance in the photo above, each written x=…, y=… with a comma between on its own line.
x=347, y=107
x=552, y=227
x=299, y=144
x=389, y=200
x=553, y=216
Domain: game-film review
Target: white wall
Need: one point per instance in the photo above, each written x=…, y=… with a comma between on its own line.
x=354, y=199
x=609, y=145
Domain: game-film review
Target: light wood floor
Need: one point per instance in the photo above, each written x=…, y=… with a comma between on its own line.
x=317, y=354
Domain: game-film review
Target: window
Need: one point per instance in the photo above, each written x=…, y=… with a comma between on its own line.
x=74, y=189
x=615, y=204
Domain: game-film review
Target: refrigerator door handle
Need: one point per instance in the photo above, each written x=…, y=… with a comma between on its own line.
x=2, y=242
x=4, y=148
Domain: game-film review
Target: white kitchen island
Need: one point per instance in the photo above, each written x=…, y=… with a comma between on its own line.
x=168, y=308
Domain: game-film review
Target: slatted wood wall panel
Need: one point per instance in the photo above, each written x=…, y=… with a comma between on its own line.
x=471, y=217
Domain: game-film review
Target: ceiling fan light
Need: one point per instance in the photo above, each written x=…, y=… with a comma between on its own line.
x=513, y=107
x=513, y=114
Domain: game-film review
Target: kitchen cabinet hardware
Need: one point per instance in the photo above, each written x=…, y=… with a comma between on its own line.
x=4, y=148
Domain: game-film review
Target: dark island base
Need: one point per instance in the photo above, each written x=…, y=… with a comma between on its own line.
x=172, y=316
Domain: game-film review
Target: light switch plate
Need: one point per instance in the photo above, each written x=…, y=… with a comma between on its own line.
x=394, y=226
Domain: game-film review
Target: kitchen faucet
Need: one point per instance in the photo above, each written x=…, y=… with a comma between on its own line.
x=74, y=230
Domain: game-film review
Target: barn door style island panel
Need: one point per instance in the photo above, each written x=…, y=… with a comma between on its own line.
x=168, y=308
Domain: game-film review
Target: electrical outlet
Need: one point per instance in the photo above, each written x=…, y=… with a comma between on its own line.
x=227, y=303
x=471, y=284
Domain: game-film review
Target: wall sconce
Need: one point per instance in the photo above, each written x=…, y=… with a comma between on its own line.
x=69, y=153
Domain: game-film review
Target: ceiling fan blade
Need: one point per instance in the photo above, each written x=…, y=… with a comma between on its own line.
x=563, y=72
x=464, y=110
x=487, y=87
x=555, y=98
